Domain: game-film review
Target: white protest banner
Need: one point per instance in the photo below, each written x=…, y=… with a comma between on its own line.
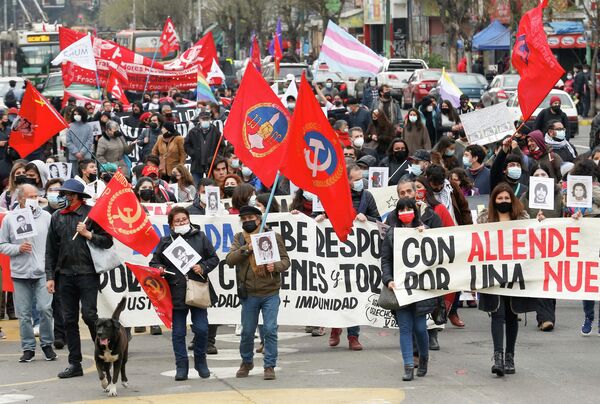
x=488, y=125
x=329, y=283
x=554, y=258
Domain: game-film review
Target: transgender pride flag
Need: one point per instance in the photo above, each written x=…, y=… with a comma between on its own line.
x=345, y=54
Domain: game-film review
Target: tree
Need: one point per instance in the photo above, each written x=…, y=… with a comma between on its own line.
x=593, y=15
x=293, y=14
x=327, y=9
x=453, y=15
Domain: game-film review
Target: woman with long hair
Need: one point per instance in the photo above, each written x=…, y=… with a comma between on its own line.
x=504, y=207
x=444, y=153
x=448, y=120
x=396, y=160
x=415, y=132
x=458, y=176
x=380, y=133
x=186, y=190
x=17, y=177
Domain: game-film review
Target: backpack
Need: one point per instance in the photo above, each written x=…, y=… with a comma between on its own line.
x=10, y=100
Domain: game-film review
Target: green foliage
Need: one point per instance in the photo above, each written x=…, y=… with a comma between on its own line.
x=436, y=61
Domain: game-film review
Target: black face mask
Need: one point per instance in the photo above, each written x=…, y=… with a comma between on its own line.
x=146, y=194
x=337, y=103
x=503, y=207
x=387, y=95
x=555, y=108
x=92, y=177
x=153, y=125
x=167, y=135
x=169, y=115
x=21, y=179
x=249, y=226
x=173, y=179
x=30, y=181
x=228, y=191
x=445, y=111
x=400, y=155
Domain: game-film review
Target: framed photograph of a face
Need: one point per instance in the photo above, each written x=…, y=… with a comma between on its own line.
x=96, y=128
x=265, y=248
x=579, y=191
x=23, y=224
x=213, y=195
x=182, y=255
x=541, y=193
x=378, y=177
x=59, y=170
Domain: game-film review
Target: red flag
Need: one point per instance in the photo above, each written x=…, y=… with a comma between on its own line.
x=168, y=39
x=157, y=289
x=113, y=87
x=533, y=59
x=314, y=160
x=37, y=122
x=119, y=212
x=278, y=54
x=257, y=126
x=7, y=283
x=255, y=54
x=118, y=71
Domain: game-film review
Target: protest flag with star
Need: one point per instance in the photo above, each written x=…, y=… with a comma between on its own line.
x=157, y=289
x=120, y=214
x=257, y=127
x=36, y=123
x=314, y=161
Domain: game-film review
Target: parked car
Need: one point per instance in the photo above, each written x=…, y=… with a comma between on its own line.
x=418, y=86
x=4, y=87
x=396, y=72
x=566, y=105
x=471, y=84
x=295, y=69
x=54, y=87
x=500, y=89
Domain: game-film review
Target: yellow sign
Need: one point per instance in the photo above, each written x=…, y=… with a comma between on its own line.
x=38, y=38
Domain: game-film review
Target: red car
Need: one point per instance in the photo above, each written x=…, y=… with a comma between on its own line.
x=418, y=86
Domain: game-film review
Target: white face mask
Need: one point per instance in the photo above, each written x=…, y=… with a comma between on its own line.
x=359, y=142
x=291, y=105
x=430, y=108
x=32, y=203
x=204, y=124
x=183, y=229
x=252, y=201
x=235, y=163
x=77, y=118
x=412, y=118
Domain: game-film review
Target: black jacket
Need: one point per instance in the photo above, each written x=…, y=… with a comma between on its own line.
x=67, y=256
x=546, y=116
x=397, y=169
x=364, y=202
x=177, y=283
x=201, y=147
x=362, y=119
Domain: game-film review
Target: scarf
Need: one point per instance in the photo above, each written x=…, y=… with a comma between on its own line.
x=258, y=270
x=73, y=207
x=562, y=144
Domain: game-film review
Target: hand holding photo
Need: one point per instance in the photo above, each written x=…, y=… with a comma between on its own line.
x=541, y=193
x=265, y=248
x=24, y=224
x=182, y=255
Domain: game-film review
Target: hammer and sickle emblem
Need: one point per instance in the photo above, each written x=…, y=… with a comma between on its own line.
x=314, y=165
x=127, y=217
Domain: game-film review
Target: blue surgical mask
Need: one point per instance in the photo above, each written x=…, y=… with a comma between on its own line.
x=514, y=173
x=235, y=163
x=416, y=169
x=204, y=124
x=358, y=185
x=560, y=134
x=449, y=153
x=246, y=172
x=467, y=162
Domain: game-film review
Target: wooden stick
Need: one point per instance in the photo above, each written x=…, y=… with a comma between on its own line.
x=76, y=233
x=170, y=273
x=214, y=157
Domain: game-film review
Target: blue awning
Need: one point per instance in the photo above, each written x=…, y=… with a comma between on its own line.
x=494, y=37
x=567, y=27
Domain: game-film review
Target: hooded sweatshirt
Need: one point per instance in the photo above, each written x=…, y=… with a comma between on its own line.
x=43, y=170
x=544, y=155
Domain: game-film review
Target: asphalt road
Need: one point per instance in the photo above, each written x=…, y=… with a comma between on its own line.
x=555, y=367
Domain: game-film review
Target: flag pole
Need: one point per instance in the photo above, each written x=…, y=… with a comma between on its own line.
x=271, y=196
x=214, y=157
x=150, y=70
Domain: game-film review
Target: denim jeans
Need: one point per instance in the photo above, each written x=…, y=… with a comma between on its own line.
x=588, y=309
x=199, y=328
x=28, y=291
x=73, y=290
x=409, y=322
x=251, y=307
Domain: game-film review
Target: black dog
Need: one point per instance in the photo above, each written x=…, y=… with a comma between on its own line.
x=111, y=347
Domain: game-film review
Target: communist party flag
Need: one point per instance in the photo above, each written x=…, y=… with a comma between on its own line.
x=168, y=39
x=314, y=161
x=533, y=59
x=157, y=289
x=119, y=212
x=257, y=127
x=37, y=122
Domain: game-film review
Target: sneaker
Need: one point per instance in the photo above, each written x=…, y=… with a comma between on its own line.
x=2, y=335
x=318, y=331
x=27, y=356
x=49, y=353
x=238, y=329
x=586, y=328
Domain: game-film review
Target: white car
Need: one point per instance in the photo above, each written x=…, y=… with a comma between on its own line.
x=4, y=87
x=566, y=105
x=396, y=73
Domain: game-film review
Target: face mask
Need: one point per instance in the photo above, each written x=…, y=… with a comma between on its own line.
x=416, y=169
x=235, y=163
x=401, y=154
x=328, y=85
x=359, y=142
x=309, y=196
x=63, y=202
x=560, y=134
x=420, y=194
x=92, y=177
x=291, y=105
x=337, y=103
x=30, y=181
x=387, y=94
x=246, y=172
x=596, y=161
x=77, y=118
x=249, y=226
x=55, y=201
x=358, y=185
x=412, y=118
x=32, y=203
x=365, y=174
x=467, y=162
x=205, y=124
x=153, y=125
x=429, y=108
x=252, y=201
x=514, y=173
x=449, y=153
x=406, y=217
x=503, y=207
x=155, y=100
x=569, y=77
x=445, y=111
x=183, y=229
x=146, y=194
x=585, y=70
x=555, y=108
x=168, y=114
x=228, y=191
x=173, y=179
x=167, y=135
x=21, y=179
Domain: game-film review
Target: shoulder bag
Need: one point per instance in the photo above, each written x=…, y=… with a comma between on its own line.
x=105, y=259
x=387, y=299
x=197, y=294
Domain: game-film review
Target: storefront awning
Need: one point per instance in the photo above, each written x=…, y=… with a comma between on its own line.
x=494, y=37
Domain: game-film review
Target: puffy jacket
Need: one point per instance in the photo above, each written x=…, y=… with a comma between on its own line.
x=177, y=283
x=67, y=256
x=201, y=147
x=239, y=255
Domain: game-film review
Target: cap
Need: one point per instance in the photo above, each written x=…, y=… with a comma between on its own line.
x=249, y=210
x=205, y=114
x=367, y=160
x=149, y=170
x=169, y=126
x=554, y=99
x=72, y=185
x=421, y=154
x=13, y=110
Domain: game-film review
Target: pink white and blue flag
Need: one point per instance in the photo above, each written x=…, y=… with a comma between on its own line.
x=345, y=54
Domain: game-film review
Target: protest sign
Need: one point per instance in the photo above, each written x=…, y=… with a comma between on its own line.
x=488, y=125
x=547, y=259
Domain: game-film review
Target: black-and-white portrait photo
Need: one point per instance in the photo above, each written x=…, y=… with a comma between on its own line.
x=59, y=170
x=182, y=255
x=541, y=193
x=265, y=248
x=24, y=223
x=212, y=200
x=579, y=191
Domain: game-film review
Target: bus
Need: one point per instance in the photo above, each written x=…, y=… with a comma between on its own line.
x=35, y=50
x=145, y=43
